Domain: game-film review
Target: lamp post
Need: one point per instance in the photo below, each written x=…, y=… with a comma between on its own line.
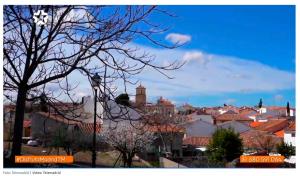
x=96, y=80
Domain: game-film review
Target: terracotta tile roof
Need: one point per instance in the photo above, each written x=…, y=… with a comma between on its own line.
x=65, y=106
x=276, y=108
x=255, y=114
x=253, y=138
x=249, y=136
x=26, y=123
x=246, y=108
x=292, y=126
x=196, y=141
x=256, y=124
x=267, y=116
x=59, y=118
x=229, y=117
x=165, y=102
x=83, y=126
x=89, y=127
x=165, y=128
x=279, y=133
x=250, y=139
x=273, y=125
x=245, y=112
x=230, y=112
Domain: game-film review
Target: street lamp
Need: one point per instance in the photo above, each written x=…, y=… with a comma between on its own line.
x=96, y=80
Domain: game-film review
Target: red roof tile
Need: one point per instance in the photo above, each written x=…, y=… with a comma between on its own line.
x=276, y=108
x=59, y=118
x=255, y=138
x=273, y=125
x=256, y=124
x=229, y=117
x=292, y=126
x=196, y=141
x=165, y=102
x=165, y=128
x=89, y=127
x=279, y=133
x=83, y=126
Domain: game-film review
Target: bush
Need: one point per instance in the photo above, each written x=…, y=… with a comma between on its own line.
x=123, y=99
x=226, y=145
x=285, y=149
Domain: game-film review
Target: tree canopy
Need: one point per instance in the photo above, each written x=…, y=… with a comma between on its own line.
x=123, y=99
x=260, y=104
x=83, y=40
x=285, y=149
x=225, y=146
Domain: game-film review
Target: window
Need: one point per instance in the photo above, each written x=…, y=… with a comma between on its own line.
x=293, y=134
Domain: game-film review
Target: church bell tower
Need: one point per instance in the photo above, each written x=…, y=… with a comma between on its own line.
x=140, y=96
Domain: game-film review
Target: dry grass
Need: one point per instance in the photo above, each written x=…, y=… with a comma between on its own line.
x=104, y=159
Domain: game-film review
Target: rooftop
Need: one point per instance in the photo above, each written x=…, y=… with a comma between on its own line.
x=256, y=138
x=256, y=124
x=199, y=128
x=292, y=126
x=164, y=128
x=235, y=125
x=140, y=87
x=279, y=133
x=273, y=125
x=196, y=141
x=162, y=101
x=229, y=117
x=83, y=125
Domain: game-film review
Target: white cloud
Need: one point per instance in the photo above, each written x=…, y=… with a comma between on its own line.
x=79, y=15
x=230, y=101
x=176, y=38
x=278, y=97
x=196, y=56
x=222, y=74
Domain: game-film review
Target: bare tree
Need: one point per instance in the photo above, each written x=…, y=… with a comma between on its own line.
x=266, y=142
x=168, y=128
x=76, y=39
x=71, y=140
x=128, y=140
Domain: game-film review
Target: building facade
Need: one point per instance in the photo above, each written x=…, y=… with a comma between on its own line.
x=162, y=107
x=140, y=96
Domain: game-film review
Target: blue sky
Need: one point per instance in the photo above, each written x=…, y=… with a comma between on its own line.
x=258, y=38
x=233, y=54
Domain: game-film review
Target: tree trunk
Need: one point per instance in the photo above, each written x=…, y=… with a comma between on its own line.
x=68, y=150
x=129, y=161
x=124, y=159
x=18, y=126
x=163, y=141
